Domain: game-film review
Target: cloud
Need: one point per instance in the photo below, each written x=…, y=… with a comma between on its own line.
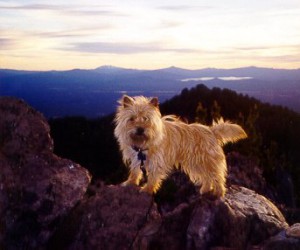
x=175, y=7
x=7, y=43
x=32, y=7
x=79, y=32
x=123, y=48
x=251, y=48
x=183, y=7
x=293, y=58
x=294, y=47
x=267, y=54
x=76, y=10
x=166, y=24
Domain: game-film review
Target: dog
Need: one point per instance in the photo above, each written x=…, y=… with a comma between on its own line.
x=159, y=144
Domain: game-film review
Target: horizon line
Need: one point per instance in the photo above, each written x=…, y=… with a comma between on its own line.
x=127, y=68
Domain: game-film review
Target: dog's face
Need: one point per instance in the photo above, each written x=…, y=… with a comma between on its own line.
x=138, y=121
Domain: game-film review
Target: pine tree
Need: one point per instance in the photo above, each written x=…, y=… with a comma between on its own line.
x=201, y=114
x=215, y=111
x=254, y=136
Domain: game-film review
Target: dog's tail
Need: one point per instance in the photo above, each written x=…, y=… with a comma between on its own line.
x=227, y=132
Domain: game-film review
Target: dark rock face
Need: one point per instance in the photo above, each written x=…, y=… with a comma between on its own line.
x=170, y=233
x=111, y=219
x=37, y=188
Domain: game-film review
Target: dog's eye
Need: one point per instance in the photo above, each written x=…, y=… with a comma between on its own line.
x=132, y=118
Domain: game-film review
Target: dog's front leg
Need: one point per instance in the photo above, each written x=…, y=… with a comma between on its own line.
x=135, y=175
x=155, y=178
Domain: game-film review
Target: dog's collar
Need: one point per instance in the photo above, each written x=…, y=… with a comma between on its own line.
x=137, y=149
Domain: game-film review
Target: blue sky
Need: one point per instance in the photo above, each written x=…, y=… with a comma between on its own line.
x=44, y=35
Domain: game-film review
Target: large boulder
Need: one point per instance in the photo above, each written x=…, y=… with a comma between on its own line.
x=243, y=218
x=37, y=188
x=240, y=220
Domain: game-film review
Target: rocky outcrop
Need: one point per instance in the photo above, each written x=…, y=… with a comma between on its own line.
x=242, y=219
x=37, y=188
x=124, y=218
x=46, y=203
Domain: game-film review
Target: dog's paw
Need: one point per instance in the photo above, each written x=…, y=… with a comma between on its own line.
x=147, y=189
x=126, y=183
x=212, y=193
x=205, y=189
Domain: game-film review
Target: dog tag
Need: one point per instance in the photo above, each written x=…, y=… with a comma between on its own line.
x=141, y=157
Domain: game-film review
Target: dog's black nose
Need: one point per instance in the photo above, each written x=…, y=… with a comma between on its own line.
x=140, y=131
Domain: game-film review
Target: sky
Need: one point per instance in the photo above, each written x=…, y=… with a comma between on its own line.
x=62, y=35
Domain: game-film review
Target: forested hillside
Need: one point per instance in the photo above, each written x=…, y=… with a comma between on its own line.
x=273, y=132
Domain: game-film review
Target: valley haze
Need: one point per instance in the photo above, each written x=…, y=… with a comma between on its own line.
x=93, y=93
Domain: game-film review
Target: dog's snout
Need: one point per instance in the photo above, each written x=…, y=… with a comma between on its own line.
x=140, y=131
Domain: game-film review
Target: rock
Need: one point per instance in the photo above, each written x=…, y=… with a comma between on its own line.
x=111, y=219
x=175, y=190
x=288, y=239
x=171, y=233
x=293, y=231
x=253, y=217
x=242, y=219
x=37, y=188
x=123, y=218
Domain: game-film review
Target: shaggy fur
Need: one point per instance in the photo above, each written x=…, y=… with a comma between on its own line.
x=169, y=142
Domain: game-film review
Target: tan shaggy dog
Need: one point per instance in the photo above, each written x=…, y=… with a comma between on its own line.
x=166, y=142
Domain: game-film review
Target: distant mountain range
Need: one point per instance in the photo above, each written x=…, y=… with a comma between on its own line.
x=94, y=92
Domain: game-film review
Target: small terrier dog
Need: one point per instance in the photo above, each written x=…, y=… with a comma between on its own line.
x=163, y=143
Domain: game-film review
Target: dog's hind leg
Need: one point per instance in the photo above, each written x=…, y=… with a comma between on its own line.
x=213, y=188
x=214, y=184
x=206, y=187
x=219, y=190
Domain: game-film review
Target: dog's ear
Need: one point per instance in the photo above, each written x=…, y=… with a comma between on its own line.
x=154, y=102
x=126, y=101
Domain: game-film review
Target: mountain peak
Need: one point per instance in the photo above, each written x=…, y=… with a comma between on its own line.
x=173, y=68
x=107, y=67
